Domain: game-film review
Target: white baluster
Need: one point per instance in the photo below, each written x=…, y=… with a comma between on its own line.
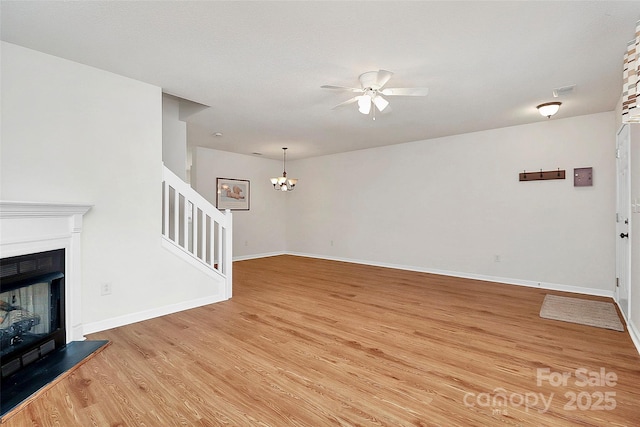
x=219, y=244
x=165, y=208
x=203, y=238
x=185, y=222
x=176, y=216
x=211, y=242
x=194, y=233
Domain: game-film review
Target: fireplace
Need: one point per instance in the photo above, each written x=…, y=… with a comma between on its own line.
x=35, y=227
x=31, y=308
x=42, y=336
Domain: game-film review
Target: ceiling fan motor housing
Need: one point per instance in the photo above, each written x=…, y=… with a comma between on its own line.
x=369, y=80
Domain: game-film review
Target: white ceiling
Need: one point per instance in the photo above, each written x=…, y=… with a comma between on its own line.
x=259, y=65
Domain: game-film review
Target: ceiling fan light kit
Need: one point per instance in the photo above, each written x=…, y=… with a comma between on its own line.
x=364, y=104
x=380, y=102
x=371, y=89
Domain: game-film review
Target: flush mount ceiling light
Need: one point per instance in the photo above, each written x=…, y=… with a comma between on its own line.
x=282, y=183
x=548, y=109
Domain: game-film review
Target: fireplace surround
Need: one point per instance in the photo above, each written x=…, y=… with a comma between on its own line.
x=34, y=227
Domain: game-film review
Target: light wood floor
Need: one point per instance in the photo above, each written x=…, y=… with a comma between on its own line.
x=308, y=342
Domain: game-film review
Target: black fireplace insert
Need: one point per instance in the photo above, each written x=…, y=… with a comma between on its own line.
x=32, y=322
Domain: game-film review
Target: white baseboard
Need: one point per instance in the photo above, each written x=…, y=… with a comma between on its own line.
x=256, y=256
x=127, y=319
x=505, y=280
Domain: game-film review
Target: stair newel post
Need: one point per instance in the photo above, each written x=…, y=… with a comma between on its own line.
x=219, y=254
x=228, y=252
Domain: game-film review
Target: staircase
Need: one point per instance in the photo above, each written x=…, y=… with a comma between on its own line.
x=195, y=230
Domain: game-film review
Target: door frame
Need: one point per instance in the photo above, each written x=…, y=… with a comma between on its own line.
x=623, y=213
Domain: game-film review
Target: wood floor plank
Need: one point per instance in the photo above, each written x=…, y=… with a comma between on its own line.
x=309, y=342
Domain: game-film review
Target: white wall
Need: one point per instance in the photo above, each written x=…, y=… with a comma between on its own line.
x=262, y=229
x=452, y=204
x=174, y=138
x=72, y=133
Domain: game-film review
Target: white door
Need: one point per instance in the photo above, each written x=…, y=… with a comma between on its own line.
x=623, y=214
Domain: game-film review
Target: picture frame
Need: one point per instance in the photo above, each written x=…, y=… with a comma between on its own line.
x=234, y=194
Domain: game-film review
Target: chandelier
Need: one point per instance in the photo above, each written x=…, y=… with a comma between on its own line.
x=282, y=183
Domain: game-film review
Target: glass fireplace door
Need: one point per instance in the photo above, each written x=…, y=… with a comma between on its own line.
x=28, y=314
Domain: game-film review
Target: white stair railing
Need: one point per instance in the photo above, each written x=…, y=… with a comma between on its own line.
x=195, y=226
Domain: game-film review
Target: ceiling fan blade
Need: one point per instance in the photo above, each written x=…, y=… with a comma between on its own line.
x=350, y=89
x=347, y=102
x=406, y=91
x=383, y=77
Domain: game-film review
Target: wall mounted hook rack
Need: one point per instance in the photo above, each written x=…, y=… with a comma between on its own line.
x=542, y=175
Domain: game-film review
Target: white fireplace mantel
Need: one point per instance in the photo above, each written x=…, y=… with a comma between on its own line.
x=31, y=227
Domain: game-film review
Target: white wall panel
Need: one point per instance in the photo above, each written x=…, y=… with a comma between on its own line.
x=455, y=203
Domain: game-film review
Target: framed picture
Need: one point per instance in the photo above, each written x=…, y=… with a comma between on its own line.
x=232, y=194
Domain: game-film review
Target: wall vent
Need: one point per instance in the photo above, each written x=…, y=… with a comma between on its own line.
x=564, y=91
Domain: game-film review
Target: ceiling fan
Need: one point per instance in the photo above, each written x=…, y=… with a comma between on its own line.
x=372, y=83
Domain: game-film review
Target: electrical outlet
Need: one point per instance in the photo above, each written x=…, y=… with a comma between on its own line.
x=332, y=243
x=105, y=288
x=246, y=243
x=496, y=258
